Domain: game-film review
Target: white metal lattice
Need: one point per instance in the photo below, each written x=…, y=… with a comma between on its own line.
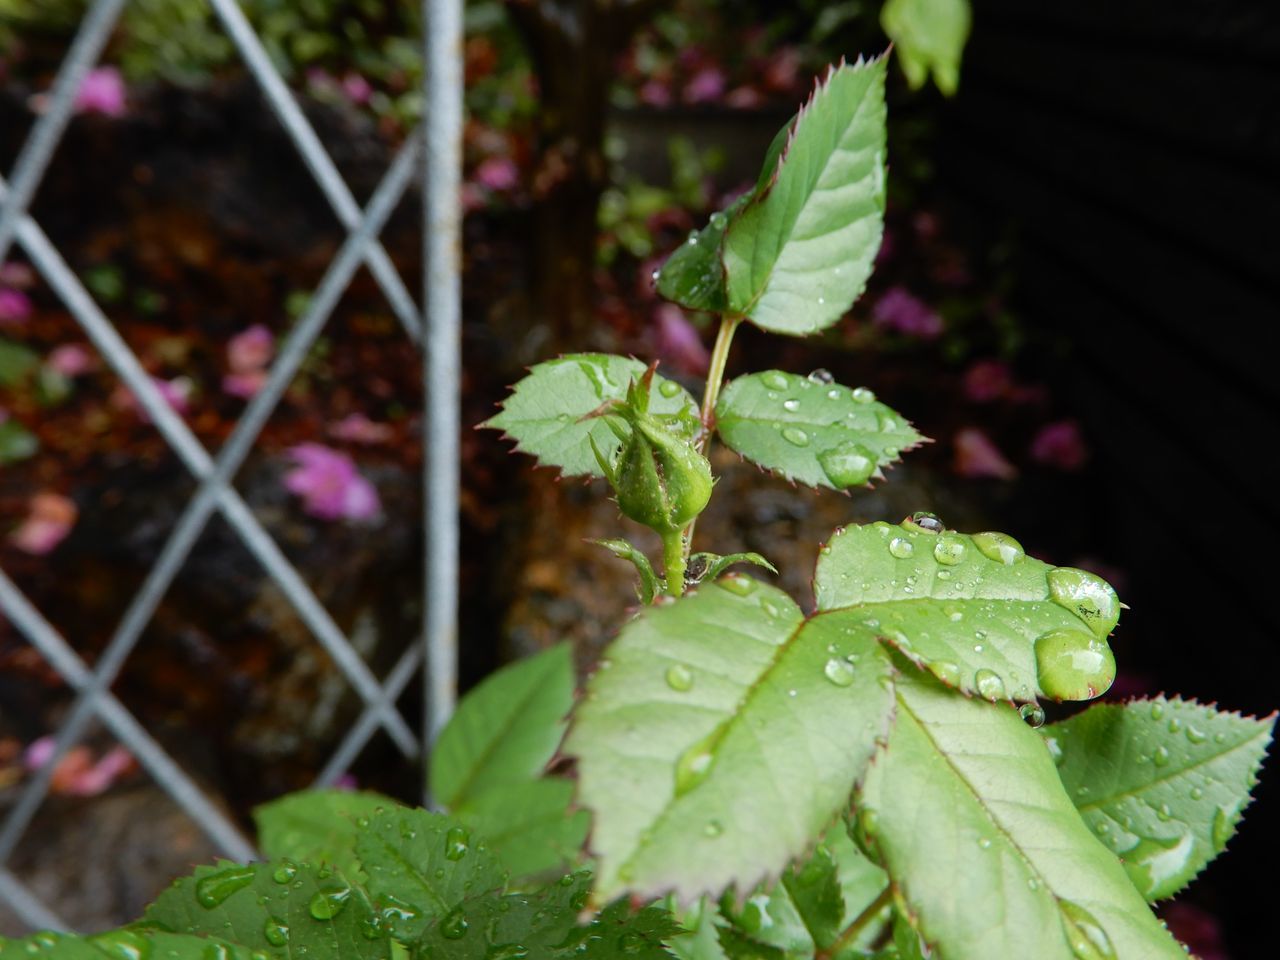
x=435, y=150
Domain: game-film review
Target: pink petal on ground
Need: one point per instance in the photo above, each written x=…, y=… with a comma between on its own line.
x=977, y=456
x=102, y=92
x=115, y=763
x=50, y=518
x=1060, y=445
x=357, y=89
x=655, y=93
x=329, y=485
x=987, y=380
x=705, y=86
x=357, y=428
x=497, y=173
x=677, y=341
x=71, y=360
x=15, y=307
x=244, y=385
x=14, y=274
x=251, y=349
x=38, y=753
x=743, y=98
x=904, y=313
x=782, y=72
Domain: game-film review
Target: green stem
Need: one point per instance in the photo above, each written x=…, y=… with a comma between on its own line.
x=675, y=561
x=715, y=375
x=715, y=380
x=850, y=933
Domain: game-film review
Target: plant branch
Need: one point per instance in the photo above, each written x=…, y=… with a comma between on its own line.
x=675, y=560
x=710, y=394
x=850, y=933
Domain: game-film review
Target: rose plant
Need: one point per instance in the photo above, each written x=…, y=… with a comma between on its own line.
x=741, y=778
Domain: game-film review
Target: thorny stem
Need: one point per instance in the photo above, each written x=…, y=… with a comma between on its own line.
x=715, y=380
x=850, y=933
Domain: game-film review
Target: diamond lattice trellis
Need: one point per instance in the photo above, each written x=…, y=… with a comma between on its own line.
x=434, y=149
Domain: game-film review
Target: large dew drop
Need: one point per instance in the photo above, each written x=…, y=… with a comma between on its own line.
x=1086, y=936
x=901, y=548
x=989, y=685
x=949, y=550
x=738, y=584
x=456, y=843
x=795, y=436
x=848, y=465
x=454, y=925
x=999, y=547
x=276, y=932
x=328, y=903
x=668, y=388
x=679, y=678
x=120, y=945
x=775, y=380
x=694, y=765
x=839, y=672
x=926, y=521
x=1072, y=665
x=1088, y=596
x=213, y=890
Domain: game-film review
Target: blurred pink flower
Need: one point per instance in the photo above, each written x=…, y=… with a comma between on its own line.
x=904, y=313
x=347, y=781
x=244, y=385
x=1060, y=445
x=329, y=484
x=677, y=341
x=77, y=775
x=71, y=360
x=705, y=86
x=977, y=456
x=987, y=380
x=102, y=92
x=357, y=89
x=251, y=349
x=497, y=173
x=357, y=428
x=655, y=93
x=15, y=307
x=50, y=518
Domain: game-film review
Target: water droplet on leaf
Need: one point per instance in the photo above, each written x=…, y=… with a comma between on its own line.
x=328, y=903
x=213, y=890
x=456, y=843
x=1161, y=757
x=679, y=677
x=795, y=436
x=901, y=548
x=285, y=872
x=121, y=945
x=839, y=672
x=668, y=388
x=276, y=932
x=1085, y=935
x=848, y=465
x=926, y=521
x=1032, y=713
x=1072, y=665
x=775, y=380
x=999, y=547
x=946, y=671
x=949, y=550
x=1159, y=868
x=737, y=583
x=989, y=685
x=1087, y=596
x=454, y=925
x=863, y=395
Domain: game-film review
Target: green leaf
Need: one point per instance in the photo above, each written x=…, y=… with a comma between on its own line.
x=966, y=812
x=700, y=936
x=121, y=945
x=16, y=361
x=814, y=889
x=505, y=729
x=649, y=584
x=617, y=933
x=510, y=927
x=529, y=826
x=712, y=564
x=969, y=608
x=693, y=275
x=280, y=909
x=544, y=412
x=421, y=866
x=928, y=35
x=800, y=251
x=818, y=433
x=317, y=826
x=16, y=442
x=1161, y=782
x=705, y=743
